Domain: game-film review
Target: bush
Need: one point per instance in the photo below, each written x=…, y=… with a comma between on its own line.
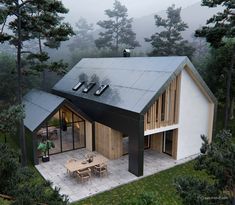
x=146, y=198
x=218, y=161
x=20, y=182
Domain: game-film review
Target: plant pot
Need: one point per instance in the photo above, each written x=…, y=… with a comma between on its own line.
x=45, y=158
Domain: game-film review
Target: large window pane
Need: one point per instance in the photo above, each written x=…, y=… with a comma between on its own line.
x=55, y=120
x=54, y=135
x=77, y=118
x=66, y=114
x=41, y=137
x=51, y=133
x=67, y=137
x=79, y=134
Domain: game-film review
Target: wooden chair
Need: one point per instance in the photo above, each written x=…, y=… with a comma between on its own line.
x=84, y=175
x=101, y=169
x=69, y=161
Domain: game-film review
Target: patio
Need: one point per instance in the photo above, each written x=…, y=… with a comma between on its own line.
x=117, y=172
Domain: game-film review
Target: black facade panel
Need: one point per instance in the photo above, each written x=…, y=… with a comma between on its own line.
x=118, y=119
x=136, y=150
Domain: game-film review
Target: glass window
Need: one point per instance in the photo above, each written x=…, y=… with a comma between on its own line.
x=78, y=85
x=66, y=114
x=76, y=118
x=148, y=116
x=67, y=136
x=88, y=87
x=101, y=89
x=163, y=106
x=65, y=129
x=79, y=135
x=125, y=144
x=54, y=136
x=157, y=111
x=55, y=120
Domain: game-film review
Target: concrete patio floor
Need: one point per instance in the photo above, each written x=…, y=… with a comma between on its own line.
x=117, y=172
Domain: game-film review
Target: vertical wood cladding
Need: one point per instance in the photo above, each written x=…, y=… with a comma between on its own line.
x=165, y=110
x=108, y=141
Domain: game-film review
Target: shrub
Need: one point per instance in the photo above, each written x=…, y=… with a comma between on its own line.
x=20, y=182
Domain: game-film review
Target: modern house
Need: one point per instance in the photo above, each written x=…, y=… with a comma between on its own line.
x=118, y=106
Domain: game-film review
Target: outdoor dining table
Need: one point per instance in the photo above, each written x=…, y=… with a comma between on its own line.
x=79, y=165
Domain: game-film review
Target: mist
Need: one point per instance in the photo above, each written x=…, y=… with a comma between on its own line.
x=93, y=10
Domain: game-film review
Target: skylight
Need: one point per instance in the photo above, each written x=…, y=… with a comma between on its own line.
x=88, y=87
x=78, y=85
x=101, y=89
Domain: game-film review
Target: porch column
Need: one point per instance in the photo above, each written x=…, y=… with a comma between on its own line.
x=93, y=136
x=136, y=150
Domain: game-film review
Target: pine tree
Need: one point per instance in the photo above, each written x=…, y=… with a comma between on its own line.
x=218, y=161
x=84, y=38
x=219, y=28
x=118, y=31
x=169, y=41
x=31, y=21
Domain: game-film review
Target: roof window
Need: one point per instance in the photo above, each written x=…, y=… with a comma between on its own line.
x=78, y=85
x=88, y=87
x=101, y=89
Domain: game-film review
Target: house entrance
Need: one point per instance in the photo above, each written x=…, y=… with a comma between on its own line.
x=168, y=142
x=147, y=141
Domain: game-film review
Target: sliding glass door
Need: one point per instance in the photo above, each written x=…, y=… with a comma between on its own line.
x=66, y=129
x=168, y=142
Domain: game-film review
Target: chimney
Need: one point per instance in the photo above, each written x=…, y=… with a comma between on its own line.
x=126, y=53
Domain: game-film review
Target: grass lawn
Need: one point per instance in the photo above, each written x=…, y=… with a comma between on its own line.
x=161, y=184
x=4, y=202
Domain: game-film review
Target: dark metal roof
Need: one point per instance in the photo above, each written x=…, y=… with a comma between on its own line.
x=38, y=105
x=133, y=82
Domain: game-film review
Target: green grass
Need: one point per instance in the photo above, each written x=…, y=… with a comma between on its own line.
x=161, y=184
x=4, y=202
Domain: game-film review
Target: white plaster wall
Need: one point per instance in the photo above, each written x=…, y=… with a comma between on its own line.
x=193, y=117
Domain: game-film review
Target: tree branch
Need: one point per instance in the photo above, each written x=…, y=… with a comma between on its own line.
x=25, y=2
x=4, y=23
x=22, y=52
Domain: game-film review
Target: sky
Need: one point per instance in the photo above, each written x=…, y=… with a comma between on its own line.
x=93, y=10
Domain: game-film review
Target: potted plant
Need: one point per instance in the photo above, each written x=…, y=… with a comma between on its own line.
x=44, y=147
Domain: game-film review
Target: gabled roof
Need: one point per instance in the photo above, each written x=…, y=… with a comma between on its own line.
x=133, y=82
x=38, y=106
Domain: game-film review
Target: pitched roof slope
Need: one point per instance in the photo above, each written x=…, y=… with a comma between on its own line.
x=133, y=82
x=38, y=105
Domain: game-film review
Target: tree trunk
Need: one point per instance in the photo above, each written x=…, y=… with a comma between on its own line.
x=43, y=83
x=233, y=203
x=21, y=131
x=228, y=89
x=117, y=39
x=231, y=111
